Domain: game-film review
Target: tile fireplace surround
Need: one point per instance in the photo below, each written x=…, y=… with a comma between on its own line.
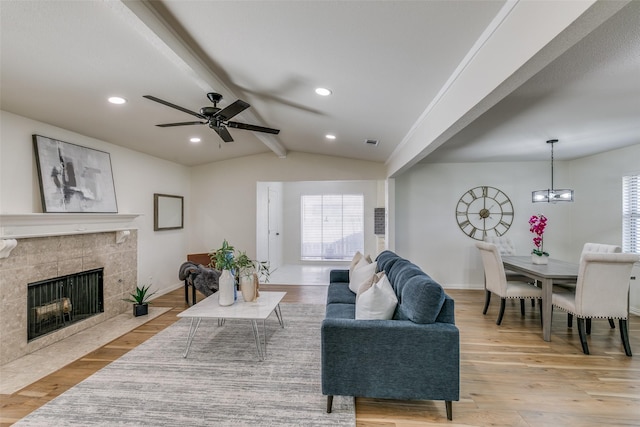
x=43, y=257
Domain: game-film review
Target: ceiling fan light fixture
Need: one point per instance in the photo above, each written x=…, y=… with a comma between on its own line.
x=323, y=91
x=118, y=100
x=552, y=195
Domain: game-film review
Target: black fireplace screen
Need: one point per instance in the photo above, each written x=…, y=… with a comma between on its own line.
x=57, y=303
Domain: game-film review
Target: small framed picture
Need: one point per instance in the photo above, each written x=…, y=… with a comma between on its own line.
x=168, y=212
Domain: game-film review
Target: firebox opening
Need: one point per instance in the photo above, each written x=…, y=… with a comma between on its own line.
x=62, y=301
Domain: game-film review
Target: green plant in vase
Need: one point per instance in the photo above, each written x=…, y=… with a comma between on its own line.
x=140, y=300
x=224, y=260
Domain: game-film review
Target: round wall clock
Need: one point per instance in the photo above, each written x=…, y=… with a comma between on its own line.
x=484, y=211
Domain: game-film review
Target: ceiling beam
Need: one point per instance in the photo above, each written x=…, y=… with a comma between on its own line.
x=524, y=38
x=146, y=19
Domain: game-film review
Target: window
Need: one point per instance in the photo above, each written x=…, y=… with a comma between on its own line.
x=631, y=213
x=332, y=226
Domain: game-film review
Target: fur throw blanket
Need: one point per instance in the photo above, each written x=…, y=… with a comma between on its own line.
x=204, y=279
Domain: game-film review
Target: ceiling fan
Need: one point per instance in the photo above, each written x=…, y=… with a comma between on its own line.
x=216, y=118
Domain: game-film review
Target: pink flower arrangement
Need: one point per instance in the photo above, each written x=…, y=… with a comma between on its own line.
x=537, y=225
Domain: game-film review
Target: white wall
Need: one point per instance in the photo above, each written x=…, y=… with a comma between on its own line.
x=225, y=192
x=292, y=191
x=425, y=222
x=136, y=178
x=426, y=230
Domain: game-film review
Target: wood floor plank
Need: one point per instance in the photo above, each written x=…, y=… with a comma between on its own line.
x=509, y=375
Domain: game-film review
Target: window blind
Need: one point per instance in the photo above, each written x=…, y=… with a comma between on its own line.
x=631, y=213
x=332, y=226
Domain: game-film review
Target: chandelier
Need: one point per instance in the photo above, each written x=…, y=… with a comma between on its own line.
x=552, y=195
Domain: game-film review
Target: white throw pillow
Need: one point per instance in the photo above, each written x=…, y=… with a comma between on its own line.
x=361, y=273
x=356, y=259
x=378, y=302
x=364, y=286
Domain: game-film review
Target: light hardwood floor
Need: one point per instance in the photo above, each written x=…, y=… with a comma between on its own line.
x=509, y=375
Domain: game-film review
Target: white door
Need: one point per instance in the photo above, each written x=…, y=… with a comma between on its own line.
x=275, y=226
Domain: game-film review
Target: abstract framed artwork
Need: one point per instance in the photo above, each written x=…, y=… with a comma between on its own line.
x=168, y=212
x=74, y=178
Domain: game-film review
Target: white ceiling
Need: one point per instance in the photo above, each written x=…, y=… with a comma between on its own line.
x=384, y=62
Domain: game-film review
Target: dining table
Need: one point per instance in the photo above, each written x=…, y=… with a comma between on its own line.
x=545, y=274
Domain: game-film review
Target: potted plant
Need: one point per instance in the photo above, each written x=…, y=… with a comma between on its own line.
x=140, y=300
x=238, y=267
x=249, y=272
x=537, y=224
x=223, y=258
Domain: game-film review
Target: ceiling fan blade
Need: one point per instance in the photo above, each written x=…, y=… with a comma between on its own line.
x=168, y=125
x=177, y=107
x=245, y=126
x=236, y=108
x=224, y=133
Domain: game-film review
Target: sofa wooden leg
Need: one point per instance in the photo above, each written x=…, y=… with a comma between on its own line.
x=588, y=322
x=624, y=335
x=487, y=300
x=329, y=404
x=613, y=325
x=449, y=407
x=501, y=313
x=522, y=306
x=569, y=320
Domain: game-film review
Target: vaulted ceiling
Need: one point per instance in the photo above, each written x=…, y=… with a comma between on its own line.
x=384, y=61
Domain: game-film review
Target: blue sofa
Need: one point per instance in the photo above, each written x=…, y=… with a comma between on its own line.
x=414, y=356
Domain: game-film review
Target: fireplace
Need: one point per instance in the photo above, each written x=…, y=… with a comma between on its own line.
x=59, y=302
x=38, y=258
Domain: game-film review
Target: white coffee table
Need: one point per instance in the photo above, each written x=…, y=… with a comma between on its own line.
x=208, y=308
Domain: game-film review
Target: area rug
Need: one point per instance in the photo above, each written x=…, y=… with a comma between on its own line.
x=220, y=383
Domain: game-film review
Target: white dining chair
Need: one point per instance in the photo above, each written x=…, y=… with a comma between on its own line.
x=496, y=281
x=602, y=291
x=589, y=248
x=506, y=247
x=600, y=248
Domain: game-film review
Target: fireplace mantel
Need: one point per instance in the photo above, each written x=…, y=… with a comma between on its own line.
x=21, y=226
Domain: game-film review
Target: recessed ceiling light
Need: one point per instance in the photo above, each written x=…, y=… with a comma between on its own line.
x=329, y=136
x=323, y=91
x=195, y=140
x=117, y=100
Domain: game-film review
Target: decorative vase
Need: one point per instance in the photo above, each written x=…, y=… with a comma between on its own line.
x=540, y=259
x=226, y=291
x=249, y=287
x=140, y=309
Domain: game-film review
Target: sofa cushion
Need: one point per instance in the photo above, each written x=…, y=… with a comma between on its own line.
x=396, y=267
x=363, y=271
x=340, y=293
x=384, y=258
x=378, y=302
x=339, y=276
x=402, y=275
x=420, y=300
x=341, y=311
